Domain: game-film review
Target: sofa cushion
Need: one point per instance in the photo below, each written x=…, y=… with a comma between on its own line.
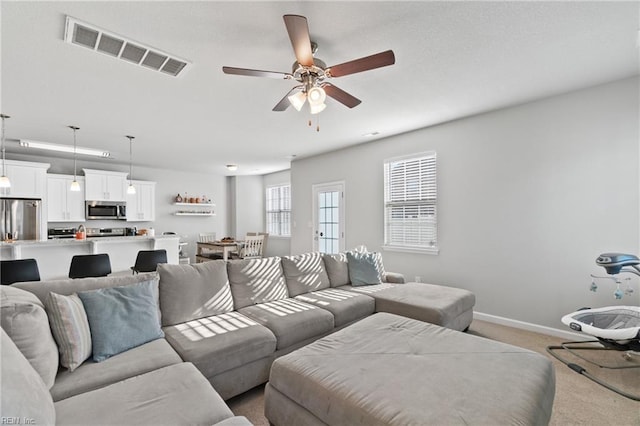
x=24, y=395
x=24, y=319
x=70, y=327
x=305, y=273
x=121, y=318
x=174, y=395
x=441, y=305
x=290, y=320
x=337, y=269
x=189, y=292
x=69, y=286
x=346, y=306
x=91, y=375
x=219, y=343
x=256, y=281
x=364, y=268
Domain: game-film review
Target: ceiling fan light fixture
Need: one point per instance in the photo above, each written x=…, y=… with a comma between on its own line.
x=317, y=96
x=297, y=100
x=316, y=108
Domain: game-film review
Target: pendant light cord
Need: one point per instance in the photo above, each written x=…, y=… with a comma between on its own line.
x=75, y=152
x=131, y=138
x=4, y=165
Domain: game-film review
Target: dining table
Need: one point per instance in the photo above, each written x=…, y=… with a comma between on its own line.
x=224, y=247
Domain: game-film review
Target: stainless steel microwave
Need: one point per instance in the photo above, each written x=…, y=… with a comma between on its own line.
x=113, y=210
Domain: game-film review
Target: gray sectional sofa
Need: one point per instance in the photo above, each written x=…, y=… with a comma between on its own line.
x=223, y=325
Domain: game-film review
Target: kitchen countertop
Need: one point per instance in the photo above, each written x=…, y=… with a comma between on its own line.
x=60, y=241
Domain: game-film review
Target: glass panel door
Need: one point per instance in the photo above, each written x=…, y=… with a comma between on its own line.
x=329, y=218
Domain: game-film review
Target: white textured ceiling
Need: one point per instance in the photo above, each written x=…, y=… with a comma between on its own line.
x=453, y=59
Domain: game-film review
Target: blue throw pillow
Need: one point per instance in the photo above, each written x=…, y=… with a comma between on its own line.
x=363, y=268
x=121, y=318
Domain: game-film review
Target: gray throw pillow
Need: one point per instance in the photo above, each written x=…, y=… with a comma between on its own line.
x=363, y=268
x=23, y=317
x=121, y=318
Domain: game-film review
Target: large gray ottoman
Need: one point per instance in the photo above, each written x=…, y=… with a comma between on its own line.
x=390, y=370
x=448, y=307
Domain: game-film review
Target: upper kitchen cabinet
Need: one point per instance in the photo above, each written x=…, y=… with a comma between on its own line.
x=64, y=205
x=101, y=185
x=141, y=206
x=28, y=180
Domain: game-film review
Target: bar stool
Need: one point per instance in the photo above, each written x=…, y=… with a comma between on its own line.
x=90, y=265
x=147, y=260
x=21, y=270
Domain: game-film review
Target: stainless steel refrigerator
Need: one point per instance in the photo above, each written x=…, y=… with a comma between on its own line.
x=20, y=218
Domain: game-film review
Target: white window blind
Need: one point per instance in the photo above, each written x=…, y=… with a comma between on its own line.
x=279, y=210
x=410, y=203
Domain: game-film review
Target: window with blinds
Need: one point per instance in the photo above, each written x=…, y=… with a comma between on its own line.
x=410, y=203
x=279, y=210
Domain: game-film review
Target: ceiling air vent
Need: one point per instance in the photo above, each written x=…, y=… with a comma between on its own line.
x=89, y=36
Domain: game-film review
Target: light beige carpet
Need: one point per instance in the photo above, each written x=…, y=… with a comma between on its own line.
x=578, y=400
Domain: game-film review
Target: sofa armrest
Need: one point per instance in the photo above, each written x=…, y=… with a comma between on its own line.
x=394, y=277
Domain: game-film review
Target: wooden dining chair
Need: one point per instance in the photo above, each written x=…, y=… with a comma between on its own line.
x=208, y=237
x=252, y=247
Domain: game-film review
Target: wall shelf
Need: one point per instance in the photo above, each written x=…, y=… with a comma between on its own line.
x=195, y=204
x=194, y=214
x=195, y=209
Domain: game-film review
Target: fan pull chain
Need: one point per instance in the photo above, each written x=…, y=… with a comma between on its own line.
x=317, y=123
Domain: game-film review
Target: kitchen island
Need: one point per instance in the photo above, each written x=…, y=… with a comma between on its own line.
x=54, y=256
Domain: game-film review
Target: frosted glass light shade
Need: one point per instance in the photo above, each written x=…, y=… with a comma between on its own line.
x=314, y=109
x=75, y=186
x=297, y=100
x=131, y=189
x=317, y=96
x=5, y=182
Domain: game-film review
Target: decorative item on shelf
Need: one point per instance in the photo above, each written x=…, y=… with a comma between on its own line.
x=178, y=198
x=75, y=186
x=4, y=180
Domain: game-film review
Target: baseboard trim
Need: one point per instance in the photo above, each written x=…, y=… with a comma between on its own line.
x=542, y=329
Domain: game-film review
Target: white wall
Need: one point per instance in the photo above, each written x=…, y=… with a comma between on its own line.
x=528, y=198
x=248, y=209
x=277, y=246
x=169, y=184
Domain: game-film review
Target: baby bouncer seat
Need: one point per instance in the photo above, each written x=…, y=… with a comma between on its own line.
x=616, y=328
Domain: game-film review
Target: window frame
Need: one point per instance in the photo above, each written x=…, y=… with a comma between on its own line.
x=281, y=210
x=427, y=201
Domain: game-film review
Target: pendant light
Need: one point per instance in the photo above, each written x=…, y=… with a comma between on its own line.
x=131, y=189
x=75, y=186
x=4, y=180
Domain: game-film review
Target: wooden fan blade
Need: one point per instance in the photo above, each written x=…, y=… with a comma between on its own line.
x=340, y=95
x=299, y=34
x=256, y=73
x=378, y=60
x=284, y=102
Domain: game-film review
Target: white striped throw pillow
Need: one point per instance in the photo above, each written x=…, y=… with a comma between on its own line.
x=70, y=328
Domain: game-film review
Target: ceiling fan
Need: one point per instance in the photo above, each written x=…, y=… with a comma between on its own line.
x=312, y=72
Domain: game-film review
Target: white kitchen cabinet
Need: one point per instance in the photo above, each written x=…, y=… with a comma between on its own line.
x=103, y=185
x=64, y=205
x=28, y=180
x=141, y=206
